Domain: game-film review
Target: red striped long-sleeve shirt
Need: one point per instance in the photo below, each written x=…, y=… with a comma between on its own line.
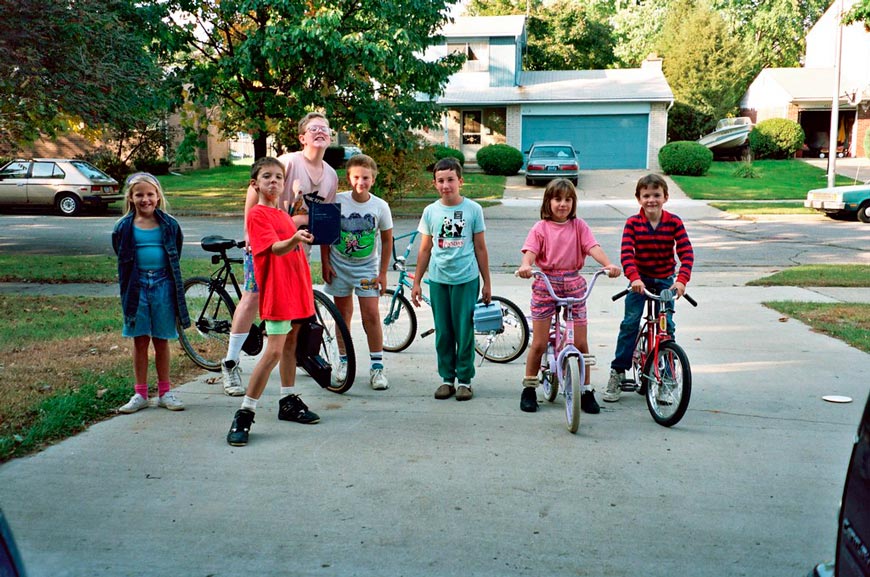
x=649, y=251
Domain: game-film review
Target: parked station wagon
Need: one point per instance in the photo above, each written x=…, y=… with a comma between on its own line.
x=66, y=185
x=842, y=201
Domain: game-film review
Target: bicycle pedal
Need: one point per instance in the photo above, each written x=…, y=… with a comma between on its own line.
x=628, y=386
x=425, y=334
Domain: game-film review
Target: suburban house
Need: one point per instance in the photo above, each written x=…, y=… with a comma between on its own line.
x=614, y=118
x=805, y=94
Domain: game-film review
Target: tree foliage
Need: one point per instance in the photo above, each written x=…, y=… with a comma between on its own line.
x=83, y=65
x=259, y=65
x=859, y=12
x=705, y=65
x=773, y=30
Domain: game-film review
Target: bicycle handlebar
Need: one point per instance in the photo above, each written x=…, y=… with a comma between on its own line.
x=567, y=301
x=654, y=296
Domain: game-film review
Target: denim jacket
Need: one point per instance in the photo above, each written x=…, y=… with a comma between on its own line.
x=128, y=269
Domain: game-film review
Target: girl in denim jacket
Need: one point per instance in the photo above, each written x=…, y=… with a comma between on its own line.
x=148, y=244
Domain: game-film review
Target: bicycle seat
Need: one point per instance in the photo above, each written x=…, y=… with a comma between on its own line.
x=217, y=243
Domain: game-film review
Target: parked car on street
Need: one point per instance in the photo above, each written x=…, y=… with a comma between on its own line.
x=67, y=185
x=842, y=201
x=853, y=530
x=549, y=160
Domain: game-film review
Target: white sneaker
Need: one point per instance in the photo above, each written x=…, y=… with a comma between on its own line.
x=613, y=390
x=170, y=401
x=232, y=377
x=341, y=372
x=135, y=403
x=378, y=379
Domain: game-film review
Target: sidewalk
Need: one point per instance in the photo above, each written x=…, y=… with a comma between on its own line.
x=397, y=483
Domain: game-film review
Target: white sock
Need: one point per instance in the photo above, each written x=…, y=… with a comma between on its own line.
x=287, y=391
x=235, y=346
x=585, y=388
x=249, y=403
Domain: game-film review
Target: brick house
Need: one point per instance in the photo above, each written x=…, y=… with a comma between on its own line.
x=805, y=94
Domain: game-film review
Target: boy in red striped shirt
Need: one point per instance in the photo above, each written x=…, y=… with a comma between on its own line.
x=649, y=242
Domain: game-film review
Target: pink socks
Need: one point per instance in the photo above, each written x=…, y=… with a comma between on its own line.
x=141, y=390
x=163, y=387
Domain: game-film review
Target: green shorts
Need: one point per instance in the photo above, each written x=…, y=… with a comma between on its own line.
x=278, y=327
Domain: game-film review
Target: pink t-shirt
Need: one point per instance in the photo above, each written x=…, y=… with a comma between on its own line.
x=560, y=246
x=284, y=281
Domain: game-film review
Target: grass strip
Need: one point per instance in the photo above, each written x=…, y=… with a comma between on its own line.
x=818, y=275
x=849, y=322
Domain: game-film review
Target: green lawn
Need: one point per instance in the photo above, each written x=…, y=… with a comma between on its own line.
x=777, y=180
x=221, y=191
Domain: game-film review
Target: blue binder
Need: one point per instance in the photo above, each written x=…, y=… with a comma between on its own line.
x=324, y=222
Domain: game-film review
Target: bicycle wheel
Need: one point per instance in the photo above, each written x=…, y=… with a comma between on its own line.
x=335, y=335
x=669, y=384
x=549, y=382
x=572, y=378
x=638, y=359
x=398, y=321
x=211, y=318
x=508, y=343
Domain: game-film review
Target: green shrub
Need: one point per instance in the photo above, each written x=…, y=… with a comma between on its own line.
x=500, y=159
x=776, y=138
x=746, y=170
x=398, y=169
x=440, y=151
x=156, y=166
x=686, y=122
x=685, y=157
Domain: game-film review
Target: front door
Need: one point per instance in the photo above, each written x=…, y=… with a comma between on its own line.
x=472, y=133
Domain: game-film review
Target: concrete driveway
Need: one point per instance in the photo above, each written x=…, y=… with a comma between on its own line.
x=397, y=483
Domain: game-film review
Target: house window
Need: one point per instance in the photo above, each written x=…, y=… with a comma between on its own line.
x=476, y=55
x=471, y=125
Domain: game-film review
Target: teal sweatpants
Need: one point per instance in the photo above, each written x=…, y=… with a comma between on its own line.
x=453, y=309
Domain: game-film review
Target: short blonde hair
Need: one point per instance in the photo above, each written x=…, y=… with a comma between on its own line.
x=148, y=178
x=306, y=120
x=364, y=161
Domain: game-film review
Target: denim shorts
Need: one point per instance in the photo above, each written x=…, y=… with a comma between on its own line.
x=250, y=280
x=565, y=285
x=155, y=315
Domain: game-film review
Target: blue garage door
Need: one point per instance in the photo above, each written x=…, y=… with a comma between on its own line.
x=603, y=141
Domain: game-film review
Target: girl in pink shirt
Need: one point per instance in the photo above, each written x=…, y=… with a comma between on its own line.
x=558, y=245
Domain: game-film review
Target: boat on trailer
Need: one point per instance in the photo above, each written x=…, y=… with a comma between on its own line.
x=731, y=135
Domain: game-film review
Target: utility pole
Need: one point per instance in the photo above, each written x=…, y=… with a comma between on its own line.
x=835, y=101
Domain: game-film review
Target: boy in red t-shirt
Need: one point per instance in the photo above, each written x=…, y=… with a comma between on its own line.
x=286, y=297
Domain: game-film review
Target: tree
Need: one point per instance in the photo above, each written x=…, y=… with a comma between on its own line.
x=562, y=35
x=774, y=30
x=567, y=35
x=707, y=67
x=259, y=65
x=82, y=65
x=860, y=12
x=637, y=30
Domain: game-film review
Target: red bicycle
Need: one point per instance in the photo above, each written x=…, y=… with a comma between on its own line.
x=660, y=366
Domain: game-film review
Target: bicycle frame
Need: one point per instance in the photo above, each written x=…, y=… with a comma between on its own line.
x=563, y=339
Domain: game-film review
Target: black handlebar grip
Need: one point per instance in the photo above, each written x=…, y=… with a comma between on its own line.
x=619, y=295
x=692, y=301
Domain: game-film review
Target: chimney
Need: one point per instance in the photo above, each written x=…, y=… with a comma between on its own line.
x=652, y=62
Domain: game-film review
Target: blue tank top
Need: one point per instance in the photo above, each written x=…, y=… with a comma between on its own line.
x=150, y=253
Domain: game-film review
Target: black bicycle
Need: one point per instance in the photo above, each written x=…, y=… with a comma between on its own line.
x=211, y=314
